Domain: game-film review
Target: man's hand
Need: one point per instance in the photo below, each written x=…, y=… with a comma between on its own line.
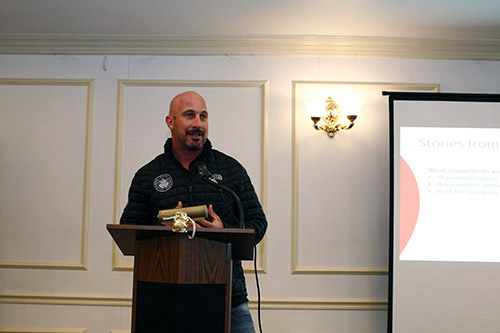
x=179, y=205
x=216, y=221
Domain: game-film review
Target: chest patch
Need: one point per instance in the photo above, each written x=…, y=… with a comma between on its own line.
x=163, y=183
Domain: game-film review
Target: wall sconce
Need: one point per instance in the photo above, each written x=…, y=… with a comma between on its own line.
x=330, y=113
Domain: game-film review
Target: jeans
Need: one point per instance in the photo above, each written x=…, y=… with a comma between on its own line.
x=241, y=320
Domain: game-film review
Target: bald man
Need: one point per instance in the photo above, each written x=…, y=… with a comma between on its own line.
x=170, y=181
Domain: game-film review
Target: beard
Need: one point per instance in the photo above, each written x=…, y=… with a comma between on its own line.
x=186, y=139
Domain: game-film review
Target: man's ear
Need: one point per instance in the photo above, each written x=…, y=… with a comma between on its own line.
x=170, y=121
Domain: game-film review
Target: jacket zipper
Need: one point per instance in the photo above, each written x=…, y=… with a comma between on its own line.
x=190, y=195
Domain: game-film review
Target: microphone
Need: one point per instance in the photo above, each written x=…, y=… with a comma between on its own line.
x=208, y=177
x=204, y=172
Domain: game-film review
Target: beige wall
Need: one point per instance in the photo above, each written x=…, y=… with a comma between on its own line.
x=72, y=135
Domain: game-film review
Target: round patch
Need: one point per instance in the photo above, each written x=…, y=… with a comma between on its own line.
x=163, y=183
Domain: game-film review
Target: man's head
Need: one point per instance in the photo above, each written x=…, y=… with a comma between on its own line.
x=188, y=121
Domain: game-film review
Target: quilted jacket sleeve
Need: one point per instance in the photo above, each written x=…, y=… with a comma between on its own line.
x=137, y=209
x=252, y=209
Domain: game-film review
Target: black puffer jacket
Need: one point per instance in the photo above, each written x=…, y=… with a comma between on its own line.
x=163, y=182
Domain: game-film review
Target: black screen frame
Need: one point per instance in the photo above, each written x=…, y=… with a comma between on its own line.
x=414, y=96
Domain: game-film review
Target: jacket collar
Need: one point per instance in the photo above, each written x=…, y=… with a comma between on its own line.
x=202, y=157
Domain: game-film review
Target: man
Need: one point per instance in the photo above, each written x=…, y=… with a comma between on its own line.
x=170, y=181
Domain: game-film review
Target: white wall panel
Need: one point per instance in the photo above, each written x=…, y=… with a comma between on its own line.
x=237, y=118
x=339, y=214
x=58, y=318
x=321, y=321
x=45, y=128
x=235, y=115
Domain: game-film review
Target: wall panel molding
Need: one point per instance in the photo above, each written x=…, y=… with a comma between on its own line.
x=89, y=85
x=42, y=330
x=250, y=45
x=117, y=265
x=319, y=304
x=266, y=303
x=296, y=268
x=65, y=299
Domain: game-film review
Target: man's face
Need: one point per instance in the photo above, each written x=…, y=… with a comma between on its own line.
x=188, y=122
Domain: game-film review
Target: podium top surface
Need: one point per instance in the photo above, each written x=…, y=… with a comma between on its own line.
x=125, y=236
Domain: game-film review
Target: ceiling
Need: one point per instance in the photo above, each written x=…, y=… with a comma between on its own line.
x=436, y=19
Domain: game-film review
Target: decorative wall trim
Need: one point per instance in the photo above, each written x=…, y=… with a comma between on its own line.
x=319, y=304
x=42, y=330
x=89, y=84
x=295, y=267
x=266, y=303
x=263, y=85
x=340, y=270
x=250, y=45
x=54, y=299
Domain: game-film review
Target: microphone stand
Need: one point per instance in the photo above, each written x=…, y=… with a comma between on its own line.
x=241, y=216
x=207, y=177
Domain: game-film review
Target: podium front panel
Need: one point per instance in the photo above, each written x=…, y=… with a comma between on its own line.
x=166, y=307
x=181, y=285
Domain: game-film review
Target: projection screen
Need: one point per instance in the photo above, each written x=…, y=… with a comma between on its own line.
x=444, y=260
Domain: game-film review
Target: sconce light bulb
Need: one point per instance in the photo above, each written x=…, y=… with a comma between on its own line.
x=315, y=109
x=351, y=106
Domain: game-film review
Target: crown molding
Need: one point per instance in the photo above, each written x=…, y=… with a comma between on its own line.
x=252, y=45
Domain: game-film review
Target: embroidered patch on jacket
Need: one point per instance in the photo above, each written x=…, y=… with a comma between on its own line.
x=163, y=183
x=217, y=176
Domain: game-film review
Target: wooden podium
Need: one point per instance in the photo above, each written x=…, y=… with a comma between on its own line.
x=182, y=284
